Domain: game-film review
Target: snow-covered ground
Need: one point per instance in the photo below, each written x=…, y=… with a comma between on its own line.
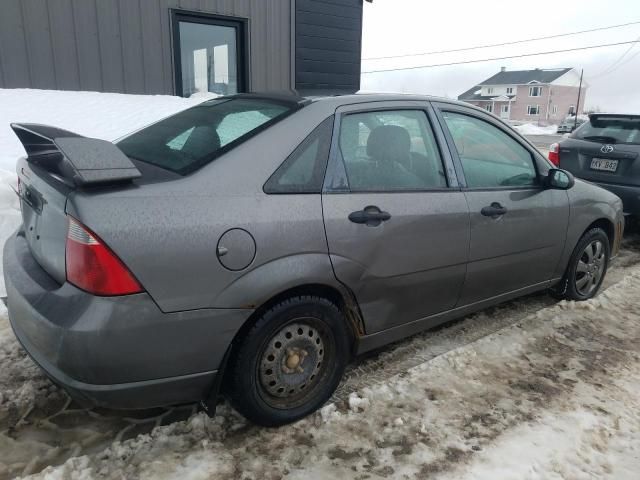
x=531, y=129
x=554, y=396
x=101, y=115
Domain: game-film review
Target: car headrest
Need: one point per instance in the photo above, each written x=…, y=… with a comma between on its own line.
x=389, y=141
x=203, y=140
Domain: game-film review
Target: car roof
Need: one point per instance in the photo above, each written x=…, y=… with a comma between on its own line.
x=347, y=99
x=629, y=116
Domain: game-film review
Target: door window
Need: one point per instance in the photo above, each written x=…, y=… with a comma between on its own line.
x=303, y=171
x=207, y=51
x=390, y=151
x=490, y=158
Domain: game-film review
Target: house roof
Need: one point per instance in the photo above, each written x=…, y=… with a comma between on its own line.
x=516, y=77
x=472, y=95
x=522, y=77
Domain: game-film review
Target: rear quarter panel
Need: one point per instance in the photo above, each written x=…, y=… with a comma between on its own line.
x=167, y=233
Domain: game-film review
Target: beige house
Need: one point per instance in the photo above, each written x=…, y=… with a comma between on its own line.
x=541, y=96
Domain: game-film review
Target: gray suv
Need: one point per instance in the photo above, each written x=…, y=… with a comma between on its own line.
x=253, y=244
x=605, y=150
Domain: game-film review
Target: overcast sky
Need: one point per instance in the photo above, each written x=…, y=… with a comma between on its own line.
x=396, y=27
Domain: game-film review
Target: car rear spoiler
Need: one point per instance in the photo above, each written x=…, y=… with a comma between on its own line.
x=81, y=160
x=617, y=116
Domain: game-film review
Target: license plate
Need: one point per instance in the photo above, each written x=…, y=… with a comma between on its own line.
x=604, y=164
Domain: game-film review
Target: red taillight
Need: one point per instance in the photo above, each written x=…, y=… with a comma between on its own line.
x=554, y=154
x=93, y=267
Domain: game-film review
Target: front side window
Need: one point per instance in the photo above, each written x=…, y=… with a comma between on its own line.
x=390, y=151
x=505, y=108
x=489, y=90
x=535, y=91
x=533, y=110
x=490, y=158
x=509, y=90
x=192, y=138
x=489, y=108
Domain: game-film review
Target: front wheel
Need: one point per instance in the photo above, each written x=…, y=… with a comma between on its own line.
x=587, y=267
x=290, y=361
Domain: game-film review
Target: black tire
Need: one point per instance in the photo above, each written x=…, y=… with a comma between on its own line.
x=272, y=356
x=584, y=277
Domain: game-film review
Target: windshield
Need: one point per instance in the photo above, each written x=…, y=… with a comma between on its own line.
x=610, y=129
x=190, y=139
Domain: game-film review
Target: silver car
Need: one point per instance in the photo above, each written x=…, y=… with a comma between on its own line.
x=253, y=244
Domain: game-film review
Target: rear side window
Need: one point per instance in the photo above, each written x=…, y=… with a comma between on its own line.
x=190, y=139
x=610, y=129
x=303, y=171
x=490, y=158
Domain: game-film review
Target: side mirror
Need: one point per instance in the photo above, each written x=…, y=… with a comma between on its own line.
x=560, y=179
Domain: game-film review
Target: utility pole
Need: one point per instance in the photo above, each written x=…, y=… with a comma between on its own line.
x=575, y=125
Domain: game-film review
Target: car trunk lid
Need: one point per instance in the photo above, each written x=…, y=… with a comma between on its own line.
x=597, y=162
x=57, y=163
x=604, y=149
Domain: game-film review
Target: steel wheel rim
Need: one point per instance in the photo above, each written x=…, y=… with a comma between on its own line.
x=293, y=363
x=590, y=268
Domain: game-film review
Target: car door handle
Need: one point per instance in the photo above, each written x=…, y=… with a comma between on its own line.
x=494, y=210
x=371, y=216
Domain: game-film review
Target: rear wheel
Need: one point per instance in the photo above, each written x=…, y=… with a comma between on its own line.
x=290, y=361
x=587, y=267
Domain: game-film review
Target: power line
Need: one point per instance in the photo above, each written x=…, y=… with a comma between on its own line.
x=504, y=43
x=501, y=58
x=617, y=64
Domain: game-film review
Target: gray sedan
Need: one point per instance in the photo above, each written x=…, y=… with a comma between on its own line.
x=253, y=244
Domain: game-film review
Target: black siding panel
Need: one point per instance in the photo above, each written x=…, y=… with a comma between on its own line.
x=328, y=40
x=330, y=9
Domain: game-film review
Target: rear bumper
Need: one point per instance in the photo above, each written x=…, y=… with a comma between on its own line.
x=629, y=195
x=118, y=352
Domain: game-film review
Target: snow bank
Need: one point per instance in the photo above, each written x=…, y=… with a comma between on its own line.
x=554, y=396
x=101, y=115
x=531, y=129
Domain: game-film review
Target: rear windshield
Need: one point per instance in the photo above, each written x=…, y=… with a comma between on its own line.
x=610, y=130
x=190, y=139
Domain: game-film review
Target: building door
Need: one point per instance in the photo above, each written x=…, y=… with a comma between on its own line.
x=504, y=111
x=209, y=54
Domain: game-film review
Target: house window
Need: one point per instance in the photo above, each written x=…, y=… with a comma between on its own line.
x=535, y=91
x=504, y=109
x=533, y=109
x=489, y=90
x=489, y=108
x=509, y=90
x=572, y=109
x=554, y=110
x=209, y=54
